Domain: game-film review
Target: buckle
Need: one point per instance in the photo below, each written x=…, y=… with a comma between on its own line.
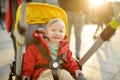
x=54, y=64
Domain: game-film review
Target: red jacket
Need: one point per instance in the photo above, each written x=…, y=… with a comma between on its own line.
x=33, y=57
x=9, y=16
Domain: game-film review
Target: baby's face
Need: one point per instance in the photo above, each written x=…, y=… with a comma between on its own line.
x=56, y=32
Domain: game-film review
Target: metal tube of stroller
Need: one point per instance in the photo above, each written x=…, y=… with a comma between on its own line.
x=104, y=36
x=23, y=14
x=19, y=56
x=90, y=52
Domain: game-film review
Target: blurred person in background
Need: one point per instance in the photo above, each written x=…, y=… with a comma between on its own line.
x=11, y=17
x=75, y=10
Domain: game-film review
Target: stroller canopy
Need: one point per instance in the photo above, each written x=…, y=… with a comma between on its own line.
x=39, y=13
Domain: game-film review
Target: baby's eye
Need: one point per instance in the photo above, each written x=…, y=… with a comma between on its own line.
x=53, y=30
x=61, y=31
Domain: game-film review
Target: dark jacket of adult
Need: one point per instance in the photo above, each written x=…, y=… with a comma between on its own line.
x=74, y=5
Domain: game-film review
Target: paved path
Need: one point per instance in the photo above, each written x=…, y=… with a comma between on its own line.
x=103, y=65
x=6, y=54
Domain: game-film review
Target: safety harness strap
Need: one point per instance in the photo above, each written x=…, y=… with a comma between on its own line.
x=43, y=51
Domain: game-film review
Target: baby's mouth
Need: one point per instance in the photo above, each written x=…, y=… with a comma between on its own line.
x=56, y=37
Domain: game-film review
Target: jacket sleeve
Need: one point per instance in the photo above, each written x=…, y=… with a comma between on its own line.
x=71, y=64
x=28, y=61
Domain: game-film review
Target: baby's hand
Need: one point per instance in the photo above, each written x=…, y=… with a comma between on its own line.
x=25, y=78
x=78, y=73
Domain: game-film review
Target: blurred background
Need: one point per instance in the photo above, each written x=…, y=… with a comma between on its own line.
x=103, y=65
x=97, y=9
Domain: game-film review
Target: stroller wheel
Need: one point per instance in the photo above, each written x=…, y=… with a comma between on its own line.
x=12, y=70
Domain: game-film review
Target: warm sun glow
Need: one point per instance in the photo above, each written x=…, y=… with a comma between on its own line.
x=96, y=2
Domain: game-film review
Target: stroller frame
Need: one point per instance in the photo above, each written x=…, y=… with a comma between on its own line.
x=42, y=13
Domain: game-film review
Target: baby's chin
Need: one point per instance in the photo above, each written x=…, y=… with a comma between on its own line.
x=55, y=42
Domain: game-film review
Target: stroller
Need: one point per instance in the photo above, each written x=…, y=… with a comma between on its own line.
x=29, y=17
